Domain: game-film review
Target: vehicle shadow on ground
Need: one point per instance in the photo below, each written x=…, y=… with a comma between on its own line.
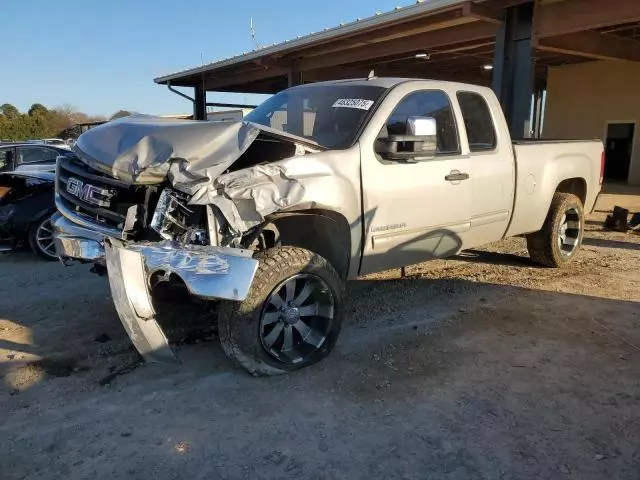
x=49, y=318
x=19, y=256
x=595, y=223
x=495, y=258
x=18, y=347
x=606, y=243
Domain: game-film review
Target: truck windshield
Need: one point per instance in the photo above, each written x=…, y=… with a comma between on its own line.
x=330, y=115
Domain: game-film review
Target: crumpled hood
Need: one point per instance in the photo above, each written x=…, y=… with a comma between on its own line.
x=193, y=155
x=143, y=149
x=140, y=148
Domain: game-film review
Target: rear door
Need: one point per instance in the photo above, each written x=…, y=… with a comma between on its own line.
x=415, y=211
x=491, y=164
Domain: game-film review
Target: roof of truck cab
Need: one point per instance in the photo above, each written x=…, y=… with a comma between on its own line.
x=383, y=82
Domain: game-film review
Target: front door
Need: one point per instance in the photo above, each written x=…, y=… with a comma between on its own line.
x=416, y=211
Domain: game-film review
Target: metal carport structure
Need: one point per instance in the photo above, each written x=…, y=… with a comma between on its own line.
x=507, y=44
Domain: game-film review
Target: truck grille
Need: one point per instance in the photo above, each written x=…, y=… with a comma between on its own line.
x=97, y=198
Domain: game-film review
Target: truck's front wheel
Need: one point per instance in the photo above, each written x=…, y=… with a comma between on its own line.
x=291, y=317
x=561, y=235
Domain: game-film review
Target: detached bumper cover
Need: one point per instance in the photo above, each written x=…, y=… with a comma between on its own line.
x=128, y=284
x=208, y=272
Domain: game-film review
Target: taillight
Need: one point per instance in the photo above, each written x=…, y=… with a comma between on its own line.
x=602, y=160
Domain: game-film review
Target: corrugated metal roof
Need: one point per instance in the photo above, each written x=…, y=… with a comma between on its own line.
x=399, y=13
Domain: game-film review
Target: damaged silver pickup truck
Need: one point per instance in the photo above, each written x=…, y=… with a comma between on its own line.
x=320, y=184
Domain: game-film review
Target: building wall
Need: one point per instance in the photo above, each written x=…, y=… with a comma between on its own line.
x=582, y=98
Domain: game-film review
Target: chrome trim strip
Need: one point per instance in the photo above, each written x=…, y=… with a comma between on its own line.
x=80, y=220
x=487, y=218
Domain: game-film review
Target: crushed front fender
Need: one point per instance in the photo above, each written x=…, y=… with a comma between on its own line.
x=207, y=272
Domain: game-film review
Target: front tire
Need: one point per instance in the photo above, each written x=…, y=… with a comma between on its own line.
x=40, y=239
x=290, y=319
x=561, y=235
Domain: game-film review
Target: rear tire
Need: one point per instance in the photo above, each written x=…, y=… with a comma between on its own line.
x=40, y=238
x=290, y=319
x=561, y=235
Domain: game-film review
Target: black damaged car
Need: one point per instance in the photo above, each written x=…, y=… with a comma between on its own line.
x=26, y=207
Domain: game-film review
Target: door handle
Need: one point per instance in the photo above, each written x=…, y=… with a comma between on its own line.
x=456, y=176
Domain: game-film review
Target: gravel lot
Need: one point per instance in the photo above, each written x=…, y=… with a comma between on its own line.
x=483, y=366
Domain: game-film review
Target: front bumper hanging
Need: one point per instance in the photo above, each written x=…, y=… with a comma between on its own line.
x=213, y=273
x=128, y=283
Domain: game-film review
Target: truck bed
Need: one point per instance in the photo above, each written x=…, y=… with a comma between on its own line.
x=541, y=166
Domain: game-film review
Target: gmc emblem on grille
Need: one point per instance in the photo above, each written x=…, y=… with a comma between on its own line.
x=89, y=193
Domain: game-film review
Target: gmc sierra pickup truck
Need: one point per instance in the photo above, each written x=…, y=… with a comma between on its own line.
x=320, y=184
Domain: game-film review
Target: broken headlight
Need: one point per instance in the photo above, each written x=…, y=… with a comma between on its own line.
x=173, y=220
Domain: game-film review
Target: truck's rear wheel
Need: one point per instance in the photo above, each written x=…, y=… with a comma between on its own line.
x=561, y=235
x=291, y=318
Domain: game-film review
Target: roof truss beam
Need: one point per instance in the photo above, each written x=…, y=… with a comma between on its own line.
x=482, y=12
x=435, y=22
x=240, y=77
x=464, y=13
x=424, y=41
x=592, y=45
x=572, y=16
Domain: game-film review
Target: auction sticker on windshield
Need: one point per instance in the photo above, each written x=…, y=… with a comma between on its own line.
x=360, y=103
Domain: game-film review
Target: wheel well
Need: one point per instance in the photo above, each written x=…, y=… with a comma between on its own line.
x=576, y=186
x=321, y=231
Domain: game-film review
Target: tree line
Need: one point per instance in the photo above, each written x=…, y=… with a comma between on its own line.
x=42, y=122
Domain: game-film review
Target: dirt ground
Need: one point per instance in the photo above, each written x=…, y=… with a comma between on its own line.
x=483, y=366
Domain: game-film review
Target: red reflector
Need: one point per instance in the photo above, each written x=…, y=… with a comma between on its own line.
x=602, y=160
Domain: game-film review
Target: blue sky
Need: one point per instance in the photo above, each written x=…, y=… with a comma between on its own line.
x=101, y=56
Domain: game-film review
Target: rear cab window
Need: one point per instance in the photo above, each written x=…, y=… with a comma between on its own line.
x=478, y=123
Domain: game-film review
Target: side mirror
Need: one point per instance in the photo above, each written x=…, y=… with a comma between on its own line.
x=418, y=145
